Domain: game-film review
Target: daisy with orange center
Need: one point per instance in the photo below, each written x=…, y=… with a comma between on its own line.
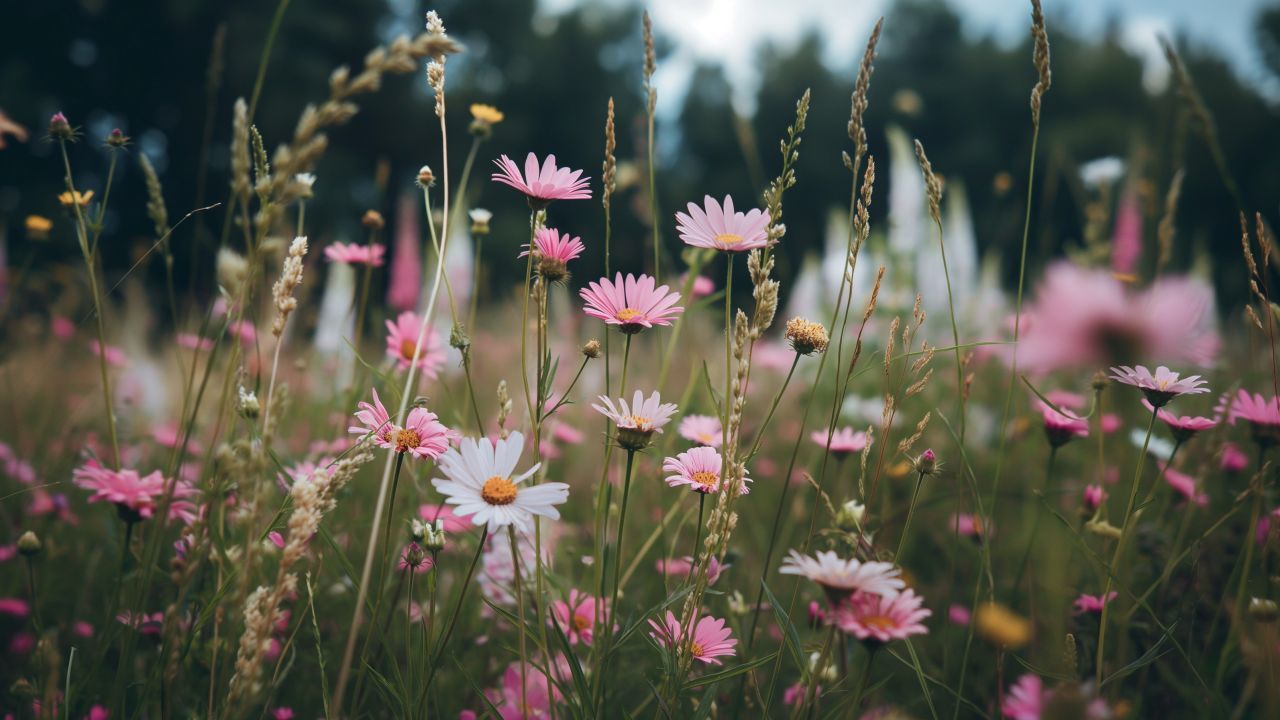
x=633, y=304
x=402, y=343
x=423, y=436
x=699, y=469
x=874, y=618
x=706, y=641
x=637, y=422
x=480, y=480
x=720, y=228
x=576, y=618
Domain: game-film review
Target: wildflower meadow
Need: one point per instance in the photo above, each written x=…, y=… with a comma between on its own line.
x=536, y=444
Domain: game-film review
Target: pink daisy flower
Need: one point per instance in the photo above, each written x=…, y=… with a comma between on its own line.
x=702, y=285
x=875, y=618
x=1062, y=429
x=577, y=617
x=1182, y=427
x=402, y=339
x=353, y=254
x=707, y=640
x=135, y=496
x=959, y=615
x=633, y=305
x=683, y=566
x=966, y=525
x=15, y=607
x=1025, y=700
x=423, y=436
x=702, y=429
x=1161, y=387
x=639, y=420
x=553, y=251
x=1083, y=317
x=542, y=185
x=841, y=577
x=1262, y=414
x=1093, y=603
x=844, y=441
x=527, y=701
x=699, y=469
x=1185, y=485
x=721, y=228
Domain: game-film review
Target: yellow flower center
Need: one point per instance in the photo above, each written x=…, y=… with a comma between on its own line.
x=639, y=421
x=879, y=622
x=696, y=649
x=408, y=348
x=498, y=491
x=728, y=239
x=581, y=622
x=706, y=479
x=628, y=314
x=407, y=439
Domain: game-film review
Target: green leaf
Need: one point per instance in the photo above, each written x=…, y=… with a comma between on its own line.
x=730, y=673
x=1152, y=654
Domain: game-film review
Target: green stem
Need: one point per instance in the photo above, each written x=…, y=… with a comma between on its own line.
x=911, y=511
x=453, y=620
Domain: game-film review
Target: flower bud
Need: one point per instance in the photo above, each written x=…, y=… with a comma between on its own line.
x=117, y=139
x=426, y=178
x=60, y=128
x=372, y=220
x=591, y=349
x=927, y=463
x=850, y=515
x=247, y=404
x=1104, y=529
x=480, y=221
x=633, y=439
x=459, y=339
x=29, y=544
x=1094, y=496
x=434, y=538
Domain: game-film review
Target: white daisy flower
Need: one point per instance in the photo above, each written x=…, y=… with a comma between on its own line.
x=638, y=421
x=841, y=577
x=480, y=480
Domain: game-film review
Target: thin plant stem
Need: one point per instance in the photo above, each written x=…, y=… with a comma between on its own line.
x=453, y=619
x=911, y=511
x=521, y=629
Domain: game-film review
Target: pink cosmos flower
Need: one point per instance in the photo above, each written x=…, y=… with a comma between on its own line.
x=699, y=468
x=708, y=639
x=876, y=618
x=1093, y=603
x=353, y=254
x=577, y=617
x=1182, y=427
x=1083, y=317
x=423, y=436
x=1233, y=458
x=722, y=228
x=16, y=607
x=147, y=624
x=1025, y=700
x=1094, y=496
x=1185, y=485
x=402, y=339
x=841, y=577
x=63, y=328
x=542, y=185
x=1262, y=414
x=844, y=441
x=168, y=435
x=633, y=305
x=967, y=525
x=282, y=713
x=702, y=285
x=529, y=702
x=683, y=566
x=1060, y=428
x=553, y=251
x=134, y=496
x=959, y=615
x=702, y=429
x=1161, y=387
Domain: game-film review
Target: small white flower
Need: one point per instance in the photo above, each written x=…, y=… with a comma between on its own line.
x=841, y=577
x=481, y=482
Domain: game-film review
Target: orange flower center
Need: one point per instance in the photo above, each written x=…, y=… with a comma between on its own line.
x=639, y=420
x=406, y=439
x=498, y=491
x=879, y=622
x=408, y=348
x=628, y=314
x=696, y=649
x=728, y=239
x=581, y=622
x=706, y=479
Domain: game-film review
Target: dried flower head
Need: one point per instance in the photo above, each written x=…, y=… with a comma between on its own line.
x=591, y=349
x=806, y=337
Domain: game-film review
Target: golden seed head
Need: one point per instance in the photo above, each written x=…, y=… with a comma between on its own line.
x=806, y=337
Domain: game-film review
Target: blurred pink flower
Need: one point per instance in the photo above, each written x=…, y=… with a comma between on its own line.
x=114, y=356
x=1233, y=458
x=633, y=304
x=402, y=343
x=452, y=523
x=1126, y=238
x=406, y=266
x=702, y=285
x=1184, y=484
x=134, y=496
x=1093, y=603
x=683, y=566
x=1262, y=414
x=843, y=441
x=577, y=617
x=701, y=429
x=529, y=702
x=1061, y=429
x=353, y=254
x=1094, y=496
x=1025, y=700
x=15, y=607
x=63, y=328
x=191, y=341
x=706, y=641
x=882, y=618
x=841, y=577
x=1083, y=317
x=720, y=228
x=959, y=615
x=1183, y=427
x=542, y=185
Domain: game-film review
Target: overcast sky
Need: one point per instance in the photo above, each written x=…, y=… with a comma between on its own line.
x=729, y=31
